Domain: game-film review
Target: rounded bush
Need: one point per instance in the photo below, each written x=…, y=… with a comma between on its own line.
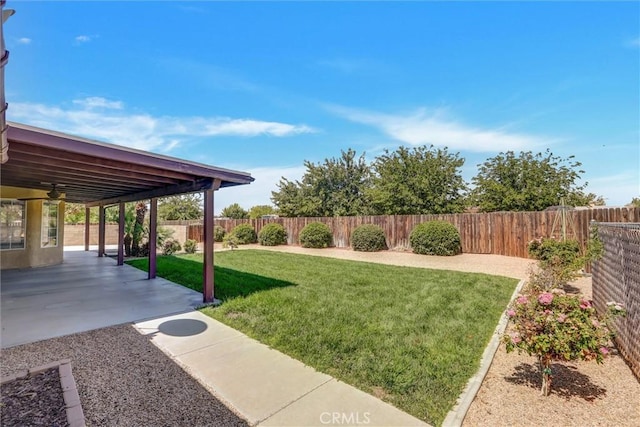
x=170, y=246
x=245, y=234
x=218, y=233
x=272, y=235
x=435, y=238
x=316, y=235
x=368, y=238
x=190, y=246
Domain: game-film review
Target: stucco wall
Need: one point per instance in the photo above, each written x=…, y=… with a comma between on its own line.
x=33, y=255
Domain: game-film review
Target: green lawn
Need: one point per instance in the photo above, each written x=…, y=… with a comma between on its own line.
x=410, y=336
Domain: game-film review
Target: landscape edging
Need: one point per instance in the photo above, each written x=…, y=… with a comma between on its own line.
x=456, y=415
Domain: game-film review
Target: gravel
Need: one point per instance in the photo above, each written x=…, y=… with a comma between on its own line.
x=124, y=380
x=582, y=393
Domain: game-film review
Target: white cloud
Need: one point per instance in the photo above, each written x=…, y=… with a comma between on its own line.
x=98, y=102
x=423, y=127
x=246, y=127
x=83, y=38
x=259, y=191
x=106, y=120
x=24, y=40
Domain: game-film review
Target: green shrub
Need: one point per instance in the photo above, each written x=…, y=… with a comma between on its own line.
x=245, y=234
x=230, y=241
x=170, y=246
x=316, y=235
x=561, y=259
x=190, y=246
x=163, y=234
x=218, y=233
x=368, y=238
x=435, y=238
x=272, y=235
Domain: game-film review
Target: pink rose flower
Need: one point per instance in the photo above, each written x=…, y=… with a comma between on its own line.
x=545, y=298
x=562, y=317
x=511, y=313
x=584, y=304
x=515, y=338
x=604, y=350
x=522, y=300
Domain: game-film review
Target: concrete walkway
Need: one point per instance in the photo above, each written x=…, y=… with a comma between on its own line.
x=265, y=386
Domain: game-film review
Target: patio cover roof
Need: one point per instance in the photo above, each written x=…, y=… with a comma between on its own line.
x=96, y=173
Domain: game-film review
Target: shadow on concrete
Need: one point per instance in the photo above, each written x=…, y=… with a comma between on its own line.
x=182, y=327
x=567, y=381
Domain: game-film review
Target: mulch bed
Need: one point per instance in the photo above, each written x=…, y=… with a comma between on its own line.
x=35, y=400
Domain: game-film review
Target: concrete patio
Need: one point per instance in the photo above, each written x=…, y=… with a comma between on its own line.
x=85, y=292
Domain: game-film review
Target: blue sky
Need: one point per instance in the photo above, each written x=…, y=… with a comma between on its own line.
x=262, y=86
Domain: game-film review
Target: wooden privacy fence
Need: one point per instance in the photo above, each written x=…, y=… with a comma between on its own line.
x=500, y=233
x=616, y=277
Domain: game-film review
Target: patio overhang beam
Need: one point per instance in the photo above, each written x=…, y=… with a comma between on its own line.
x=84, y=163
x=171, y=190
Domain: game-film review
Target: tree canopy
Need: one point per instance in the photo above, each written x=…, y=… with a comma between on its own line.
x=258, y=211
x=234, y=211
x=336, y=187
x=181, y=207
x=528, y=182
x=423, y=180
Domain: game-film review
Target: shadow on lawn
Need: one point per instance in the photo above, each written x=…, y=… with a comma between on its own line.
x=229, y=283
x=567, y=381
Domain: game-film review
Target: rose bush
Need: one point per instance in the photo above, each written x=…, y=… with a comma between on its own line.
x=559, y=326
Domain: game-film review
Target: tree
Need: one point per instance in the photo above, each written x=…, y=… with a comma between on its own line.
x=182, y=207
x=635, y=202
x=336, y=187
x=234, y=211
x=74, y=213
x=137, y=233
x=528, y=182
x=423, y=180
x=259, y=211
x=289, y=198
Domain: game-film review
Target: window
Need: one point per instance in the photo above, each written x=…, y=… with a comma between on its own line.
x=12, y=224
x=49, y=224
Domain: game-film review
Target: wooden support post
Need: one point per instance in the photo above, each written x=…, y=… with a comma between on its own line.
x=101, y=231
x=87, y=227
x=121, y=220
x=208, y=272
x=153, y=237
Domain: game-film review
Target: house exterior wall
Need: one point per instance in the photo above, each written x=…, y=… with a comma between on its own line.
x=33, y=255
